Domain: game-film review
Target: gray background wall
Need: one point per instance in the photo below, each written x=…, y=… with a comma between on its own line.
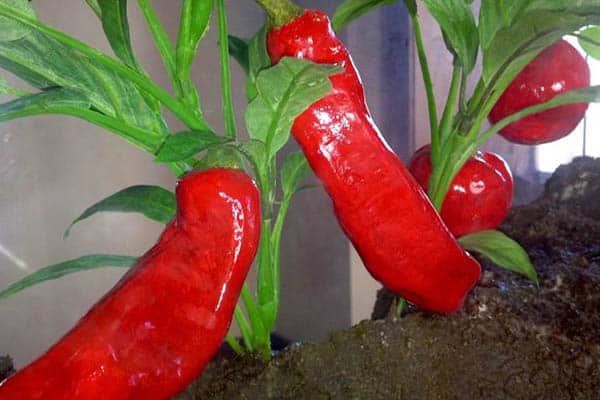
x=52, y=168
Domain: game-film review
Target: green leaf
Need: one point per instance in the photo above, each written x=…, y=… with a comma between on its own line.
x=10, y=29
x=411, y=6
x=589, y=40
x=186, y=144
x=68, y=267
x=5, y=89
x=238, y=49
x=39, y=102
x=195, y=19
x=284, y=92
x=43, y=62
x=350, y=10
x=502, y=251
x=93, y=4
x=295, y=168
x=514, y=32
x=154, y=202
x=258, y=60
x=116, y=27
x=457, y=22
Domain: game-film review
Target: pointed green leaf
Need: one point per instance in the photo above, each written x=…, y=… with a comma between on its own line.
x=186, y=144
x=514, y=32
x=589, y=40
x=93, y=4
x=44, y=62
x=116, y=28
x=501, y=250
x=284, y=92
x=258, y=60
x=11, y=30
x=154, y=202
x=457, y=22
x=350, y=10
x=5, y=89
x=39, y=103
x=68, y=267
x=238, y=49
x=295, y=168
x=195, y=19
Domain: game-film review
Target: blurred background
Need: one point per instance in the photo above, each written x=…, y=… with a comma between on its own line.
x=53, y=167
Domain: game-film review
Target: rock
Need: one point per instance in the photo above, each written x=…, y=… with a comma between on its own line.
x=513, y=340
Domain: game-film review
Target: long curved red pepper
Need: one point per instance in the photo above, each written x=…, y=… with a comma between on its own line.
x=155, y=331
x=395, y=229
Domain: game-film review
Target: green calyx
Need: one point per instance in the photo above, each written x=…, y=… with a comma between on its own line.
x=280, y=12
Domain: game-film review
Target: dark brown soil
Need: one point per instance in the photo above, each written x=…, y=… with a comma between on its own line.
x=513, y=340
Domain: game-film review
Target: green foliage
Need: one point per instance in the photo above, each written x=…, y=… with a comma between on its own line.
x=56, y=271
x=238, y=49
x=183, y=145
x=116, y=28
x=43, y=102
x=457, y=22
x=501, y=250
x=195, y=19
x=295, y=168
x=46, y=63
x=154, y=202
x=589, y=40
x=258, y=59
x=350, y=10
x=10, y=29
x=514, y=32
x=284, y=92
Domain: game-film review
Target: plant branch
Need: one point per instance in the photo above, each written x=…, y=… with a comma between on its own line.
x=428, y=82
x=144, y=83
x=227, y=100
x=162, y=41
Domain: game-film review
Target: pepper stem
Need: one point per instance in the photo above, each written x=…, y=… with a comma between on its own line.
x=280, y=12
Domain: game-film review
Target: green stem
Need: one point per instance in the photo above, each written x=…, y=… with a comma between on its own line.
x=427, y=81
x=121, y=69
x=446, y=122
x=262, y=340
x=162, y=41
x=95, y=7
x=280, y=12
x=245, y=329
x=227, y=99
x=234, y=344
x=146, y=140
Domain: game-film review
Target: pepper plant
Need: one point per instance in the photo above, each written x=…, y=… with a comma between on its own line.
x=117, y=94
x=507, y=36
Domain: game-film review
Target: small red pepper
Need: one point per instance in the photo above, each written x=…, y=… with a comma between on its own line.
x=155, y=331
x=556, y=70
x=381, y=208
x=479, y=196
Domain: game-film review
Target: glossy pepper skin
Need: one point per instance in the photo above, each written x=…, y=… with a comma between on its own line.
x=381, y=208
x=154, y=332
x=557, y=69
x=479, y=196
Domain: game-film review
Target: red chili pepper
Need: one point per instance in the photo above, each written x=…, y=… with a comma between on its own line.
x=387, y=216
x=479, y=196
x=557, y=69
x=155, y=331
